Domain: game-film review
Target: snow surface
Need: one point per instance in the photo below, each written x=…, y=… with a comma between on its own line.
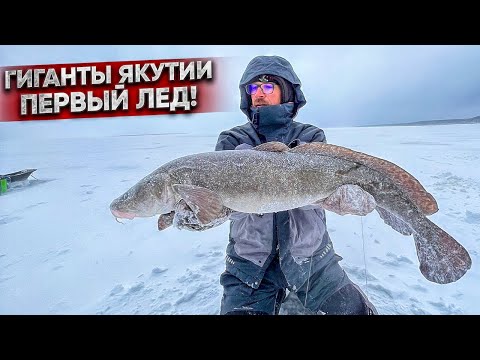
x=62, y=252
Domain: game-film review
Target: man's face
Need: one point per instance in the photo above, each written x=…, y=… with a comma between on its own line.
x=261, y=97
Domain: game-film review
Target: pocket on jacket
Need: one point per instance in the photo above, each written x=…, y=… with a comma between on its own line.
x=253, y=237
x=307, y=228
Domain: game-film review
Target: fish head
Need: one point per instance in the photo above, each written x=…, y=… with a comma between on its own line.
x=149, y=197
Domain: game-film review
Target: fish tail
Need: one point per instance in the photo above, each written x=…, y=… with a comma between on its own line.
x=442, y=258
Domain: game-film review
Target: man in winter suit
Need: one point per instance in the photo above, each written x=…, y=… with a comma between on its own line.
x=270, y=253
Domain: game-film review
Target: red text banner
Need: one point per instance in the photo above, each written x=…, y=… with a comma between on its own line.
x=106, y=89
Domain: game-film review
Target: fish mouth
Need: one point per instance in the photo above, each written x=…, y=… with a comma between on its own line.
x=122, y=215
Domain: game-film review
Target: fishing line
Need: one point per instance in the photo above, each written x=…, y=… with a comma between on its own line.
x=364, y=258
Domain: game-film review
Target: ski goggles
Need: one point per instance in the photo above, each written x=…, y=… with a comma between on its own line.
x=267, y=88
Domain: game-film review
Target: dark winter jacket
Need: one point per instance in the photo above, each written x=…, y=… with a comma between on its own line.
x=299, y=236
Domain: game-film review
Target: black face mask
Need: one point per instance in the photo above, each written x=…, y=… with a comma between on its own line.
x=272, y=121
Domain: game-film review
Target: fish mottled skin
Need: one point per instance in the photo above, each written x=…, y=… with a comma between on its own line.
x=270, y=181
x=273, y=178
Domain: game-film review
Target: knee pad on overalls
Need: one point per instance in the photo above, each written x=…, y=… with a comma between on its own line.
x=348, y=300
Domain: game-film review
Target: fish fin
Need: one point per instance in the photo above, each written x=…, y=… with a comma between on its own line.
x=396, y=223
x=165, y=220
x=349, y=199
x=205, y=204
x=185, y=218
x=408, y=183
x=442, y=259
x=308, y=148
x=273, y=146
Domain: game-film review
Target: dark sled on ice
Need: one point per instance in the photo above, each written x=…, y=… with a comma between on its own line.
x=18, y=175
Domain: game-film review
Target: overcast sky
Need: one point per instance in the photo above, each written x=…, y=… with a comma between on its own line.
x=344, y=85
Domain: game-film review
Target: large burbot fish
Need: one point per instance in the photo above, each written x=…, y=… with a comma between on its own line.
x=272, y=177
